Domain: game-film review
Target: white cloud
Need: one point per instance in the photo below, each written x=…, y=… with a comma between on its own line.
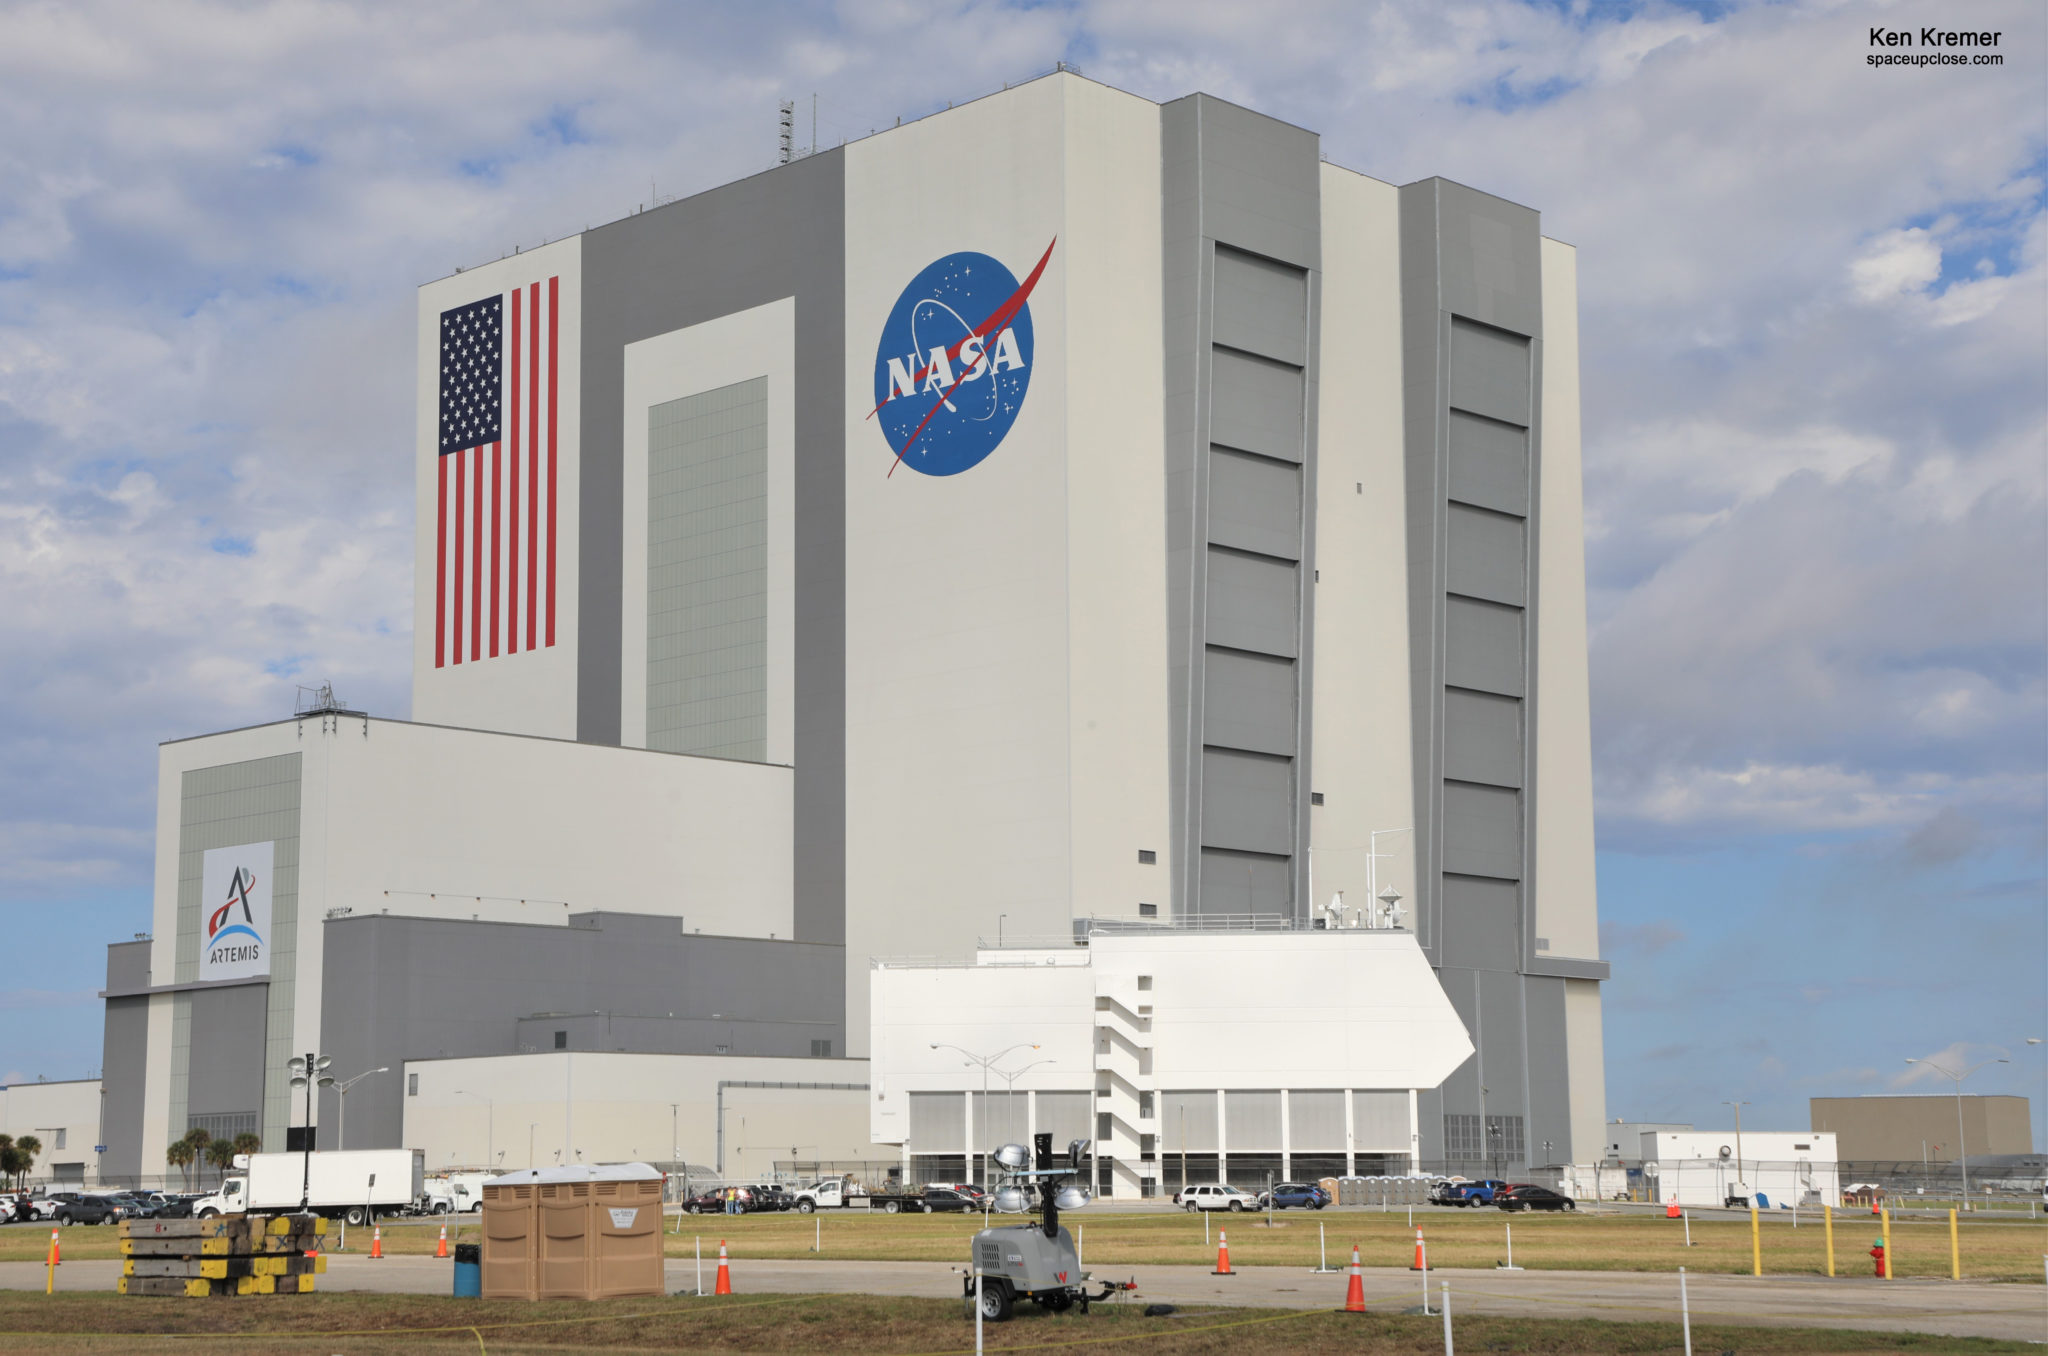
x=1896, y=262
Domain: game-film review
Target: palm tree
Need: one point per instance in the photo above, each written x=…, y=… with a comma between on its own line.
x=199, y=1139
x=180, y=1156
x=11, y=1163
x=248, y=1142
x=28, y=1146
x=221, y=1153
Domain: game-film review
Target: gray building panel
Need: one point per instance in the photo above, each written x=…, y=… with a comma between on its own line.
x=1250, y=702
x=1482, y=738
x=1482, y=831
x=1260, y=305
x=613, y=981
x=1486, y=555
x=1246, y=883
x=225, y=1084
x=1489, y=372
x=124, y=1066
x=1483, y=648
x=1255, y=503
x=1491, y=258
x=1247, y=801
x=1502, y=1043
x=1481, y=920
x=1257, y=405
x=778, y=234
x=1254, y=603
x=1489, y=463
x=1548, y=1059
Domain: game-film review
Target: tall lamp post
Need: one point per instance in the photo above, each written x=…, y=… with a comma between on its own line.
x=984, y=1061
x=341, y=1129
x=1739, y=1184
x=1010, y=1077
x=490, y=1127
x=1962, y=1145
x=309, y=1071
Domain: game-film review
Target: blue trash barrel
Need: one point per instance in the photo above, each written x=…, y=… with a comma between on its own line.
x=469, y=1270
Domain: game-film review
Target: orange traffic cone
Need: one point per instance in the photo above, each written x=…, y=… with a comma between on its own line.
x=1222, y=1255
x=377, y=1242
x=1671, y=1209
x=56, y=1250
x=441, y=1248
x=724, y=1286
x=1354, y=1293
x=1421, y=1262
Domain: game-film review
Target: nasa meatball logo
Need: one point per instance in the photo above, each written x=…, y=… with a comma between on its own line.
x=954, y=363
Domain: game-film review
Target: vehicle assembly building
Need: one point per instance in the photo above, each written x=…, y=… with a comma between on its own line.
x=1066, y=529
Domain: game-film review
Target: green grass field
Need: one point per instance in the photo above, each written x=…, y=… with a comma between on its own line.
x=348, y=1324
x=1991, y=1250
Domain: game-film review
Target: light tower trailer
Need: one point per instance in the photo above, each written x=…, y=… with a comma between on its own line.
x=1036, y=1260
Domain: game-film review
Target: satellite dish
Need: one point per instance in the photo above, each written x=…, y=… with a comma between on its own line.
x=1014, y=1157
x=1726, y=1152
x=1011, y=1200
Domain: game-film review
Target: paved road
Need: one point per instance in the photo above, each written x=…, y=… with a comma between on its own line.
x=1958, y=1309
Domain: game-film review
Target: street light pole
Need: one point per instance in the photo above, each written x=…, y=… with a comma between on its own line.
x=1962, y=1144
x=984, y=1061
x=341, y=1127
x=1010, y=1077
x=1738, y=1142
x=309, y=1071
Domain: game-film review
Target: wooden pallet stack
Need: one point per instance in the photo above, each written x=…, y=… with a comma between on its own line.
x=225, y=1255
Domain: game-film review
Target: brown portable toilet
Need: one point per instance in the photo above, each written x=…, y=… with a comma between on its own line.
x=589, y=1231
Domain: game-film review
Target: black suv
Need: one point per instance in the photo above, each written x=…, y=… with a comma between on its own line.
x=75, y=1207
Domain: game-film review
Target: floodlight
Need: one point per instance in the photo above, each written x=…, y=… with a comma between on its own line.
x=1075, y=1150
x=1014, y=1157
x=1070, y=1197
x=1011, y=1200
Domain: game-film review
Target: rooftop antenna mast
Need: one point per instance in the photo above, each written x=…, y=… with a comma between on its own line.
x=788, y=126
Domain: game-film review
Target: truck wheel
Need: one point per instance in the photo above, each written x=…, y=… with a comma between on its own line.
x=354, y=1215
x=995, y=1301
x=1237, y=1207
x=805, y=1207
x=1189, y=1207
x=891, y=1207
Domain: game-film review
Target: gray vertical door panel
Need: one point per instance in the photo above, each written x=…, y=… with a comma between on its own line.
x=1315, y=1119
x=1486, y=556
x=1249, y=702
x=1483, y=646
x=1251, y=1120
x=1490, y=263
x=1241, y=240
x=1489, y=463
x=1550, y=1110
x=1247, y=801
x=1460, y=1092
x=1254, y=603
x=124, y=1074
x=1245, y=883
x=1256, y=404
x=1187, y=1120
x=742, y=245
x=1255, y=503
x=1481, y=923
x=226, y=1076
x=1482, y=831
x=1064, y=1116
x=938, y=1122
x=1261, y=306
x=1489, y=372
x=1482, y=738
x=1502, y=1042
x=1379, y=1121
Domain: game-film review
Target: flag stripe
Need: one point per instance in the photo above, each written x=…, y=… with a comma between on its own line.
x=476, y=552
x=554, y=335
x=512, y=522
x=441, y=567
x=497, y=517
x=459, y=455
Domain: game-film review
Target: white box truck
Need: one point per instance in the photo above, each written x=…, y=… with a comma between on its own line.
x=355, y=1184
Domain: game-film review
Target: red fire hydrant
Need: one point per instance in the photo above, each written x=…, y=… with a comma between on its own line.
x=1877, y=1257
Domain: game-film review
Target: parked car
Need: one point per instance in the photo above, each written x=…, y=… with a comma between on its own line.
x=172, y=1204
x=1455, y=1191
x=971, y=1192
x=1533, y=1198
x=1215, y=1196
x=707, y=1203
x=1284, y=1195
x=945, y=1199
x=134, y=1205
x=76, y=1207
x=28, y=1207
x=770, y=1196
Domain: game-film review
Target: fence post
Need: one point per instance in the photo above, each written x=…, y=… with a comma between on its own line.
x=1446, y=1306
x=1891, y=1244
x=1955, y=1250
x=1829, y=1219
x=1685, y=1311
x=1756, y=1245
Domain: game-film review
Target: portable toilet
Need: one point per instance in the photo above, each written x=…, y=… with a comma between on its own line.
x=587, y=1231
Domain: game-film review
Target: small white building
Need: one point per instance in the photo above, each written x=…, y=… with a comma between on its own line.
x=64, y=1118
x=1774, y=1168
x=1187, y=1054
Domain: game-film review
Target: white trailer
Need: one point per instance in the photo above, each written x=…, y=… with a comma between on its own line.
x=356, y=1184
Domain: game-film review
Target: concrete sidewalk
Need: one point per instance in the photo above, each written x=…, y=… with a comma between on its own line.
x=1951, y=1308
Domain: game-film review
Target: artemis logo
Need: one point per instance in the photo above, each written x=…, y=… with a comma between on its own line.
x=954, y=363
x=235, y=883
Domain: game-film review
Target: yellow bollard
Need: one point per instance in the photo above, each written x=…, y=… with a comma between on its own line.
x=1891, y=1245
x=1955, y=1250
x=1828, y=1217
x=1756, y=1246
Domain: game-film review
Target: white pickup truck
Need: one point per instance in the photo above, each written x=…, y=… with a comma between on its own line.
x=833, y=1193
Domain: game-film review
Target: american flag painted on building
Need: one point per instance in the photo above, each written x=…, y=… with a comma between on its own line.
x=494, y=572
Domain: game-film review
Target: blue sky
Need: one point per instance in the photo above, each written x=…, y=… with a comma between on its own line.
x=1814, y=303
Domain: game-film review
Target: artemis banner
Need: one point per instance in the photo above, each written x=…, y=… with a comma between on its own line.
x=235, y=905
